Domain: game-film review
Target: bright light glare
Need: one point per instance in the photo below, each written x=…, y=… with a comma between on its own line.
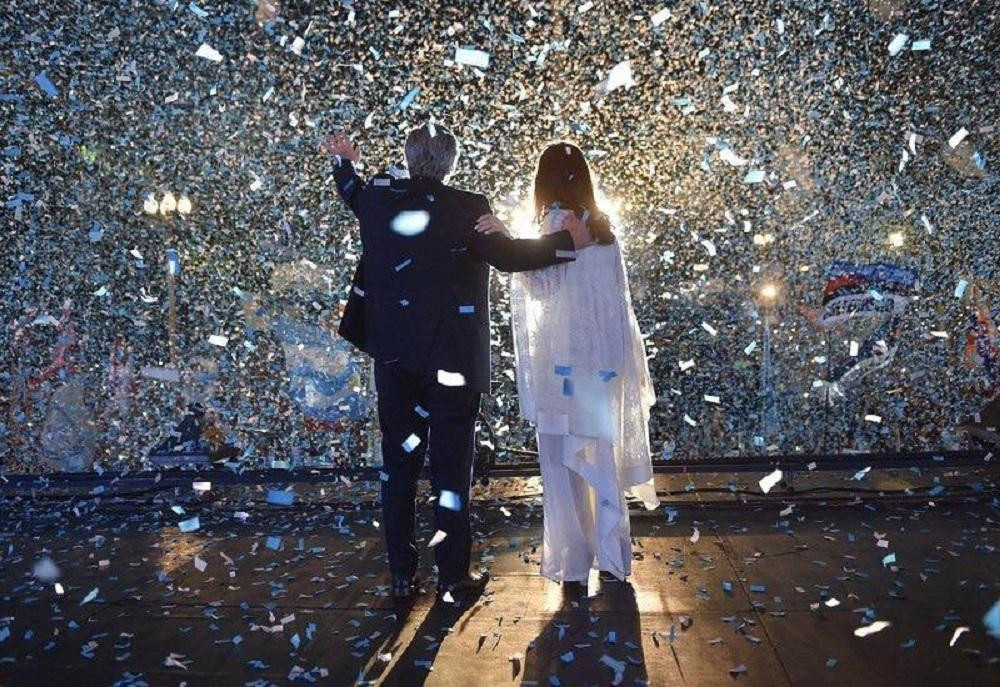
x=769, y=292
x=168, y=203
x=150, y=206
x=896, y=239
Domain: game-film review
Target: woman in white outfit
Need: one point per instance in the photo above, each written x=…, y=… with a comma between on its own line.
x=582, y=378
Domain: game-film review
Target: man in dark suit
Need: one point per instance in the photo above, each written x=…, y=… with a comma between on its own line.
x=419, y=305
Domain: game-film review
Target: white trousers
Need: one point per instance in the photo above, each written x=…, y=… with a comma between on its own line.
x=581, y=530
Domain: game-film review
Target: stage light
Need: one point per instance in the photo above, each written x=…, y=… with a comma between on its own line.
x=896, y=239
x=150, y=206
x=768, y=292
x=168, y=203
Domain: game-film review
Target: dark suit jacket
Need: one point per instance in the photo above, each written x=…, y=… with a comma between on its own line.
x=420, y=295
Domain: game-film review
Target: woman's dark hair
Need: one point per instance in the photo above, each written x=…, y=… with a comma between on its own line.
x=563, y=177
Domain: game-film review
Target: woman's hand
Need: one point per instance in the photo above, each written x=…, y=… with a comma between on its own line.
x=491, y=224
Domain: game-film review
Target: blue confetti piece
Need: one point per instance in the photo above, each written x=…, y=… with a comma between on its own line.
x=403, y=265
x=237, y=639
x=421, y=412
x=273, y=543
x=888, y=560
x=831, y=663
x=727, y=586
x=992, y=620
x=567, y=387
x=908, y=644
x=758, y=588
x=280, y=497
x=189, y=525
x=936, y=491
x=450, y=500
x=348, y=186
x=409, y=98
x=4, y=633
x=466, y=309
x=607, y=375
x=197, y=10
x=564, y=370
x=296, y=641
x=46, y=85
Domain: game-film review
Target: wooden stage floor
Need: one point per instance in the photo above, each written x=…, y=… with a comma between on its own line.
x=763, y=595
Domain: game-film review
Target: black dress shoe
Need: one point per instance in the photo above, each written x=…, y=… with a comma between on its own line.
x=404, y=586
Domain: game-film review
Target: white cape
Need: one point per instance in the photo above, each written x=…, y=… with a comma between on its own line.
x=582, y=370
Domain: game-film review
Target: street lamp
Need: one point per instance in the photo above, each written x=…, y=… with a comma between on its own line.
x=163, y=210
x=768, y=296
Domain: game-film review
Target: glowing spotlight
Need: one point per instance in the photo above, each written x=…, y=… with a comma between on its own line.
x=896, y=239
x=768, y=292
x=168, y=203
x=150, y=206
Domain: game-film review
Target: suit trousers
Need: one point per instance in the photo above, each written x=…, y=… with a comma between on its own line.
x=421, y=417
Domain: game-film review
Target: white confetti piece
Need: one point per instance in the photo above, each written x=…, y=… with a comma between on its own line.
x=695, y=536
x=620, y=76
x=200, y=563
x=446, y=378
x=767, y=482
x=218, y=340
x=959, y=631
x=709, y=328
x=754, y=176
x=411, y=443
x=661, y=16
x=437, y=539
x=958, y=137
x=209, y=53
x=473, y=58
x=410, y=222
x=686, y=364
x=898, y=43
x=876, y=626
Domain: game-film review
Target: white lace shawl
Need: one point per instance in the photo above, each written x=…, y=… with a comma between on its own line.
x=581, y=364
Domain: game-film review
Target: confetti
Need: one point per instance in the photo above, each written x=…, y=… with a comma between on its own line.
x=768, y=481
x=876, y=626
x=209, y=53
x=473, y=58
x=410, y=222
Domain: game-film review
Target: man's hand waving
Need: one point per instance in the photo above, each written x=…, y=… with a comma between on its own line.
x=340, y=144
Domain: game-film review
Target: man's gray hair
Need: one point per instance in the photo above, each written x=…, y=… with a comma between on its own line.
x=431, y=151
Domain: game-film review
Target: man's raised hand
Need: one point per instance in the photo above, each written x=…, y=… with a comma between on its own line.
x=340, y=144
